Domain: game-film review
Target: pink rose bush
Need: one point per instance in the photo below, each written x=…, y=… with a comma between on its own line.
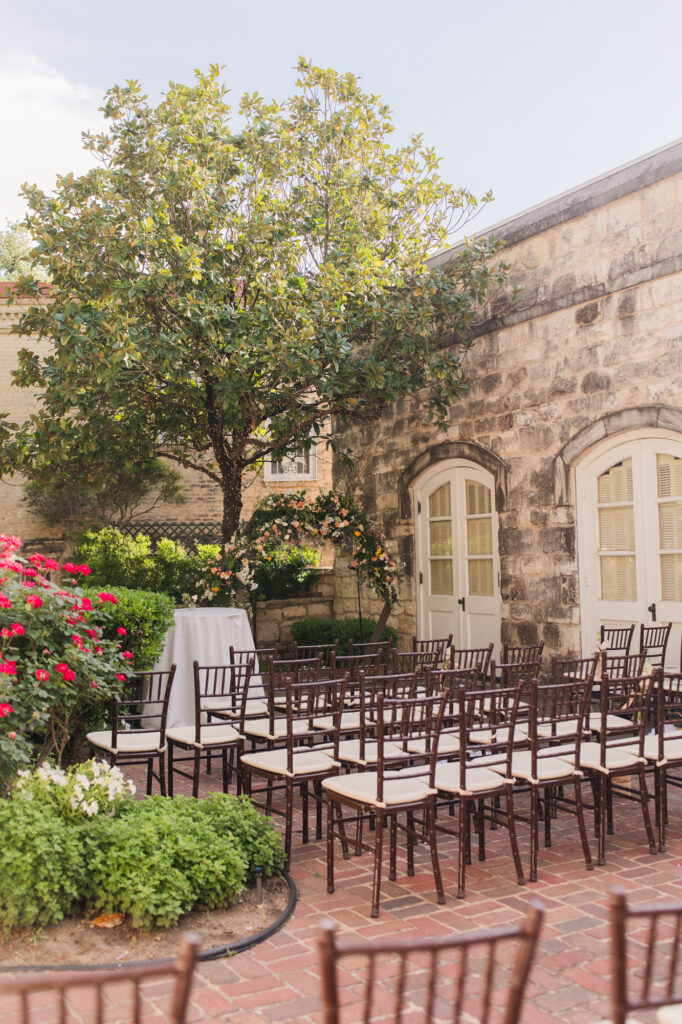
x=55, y=663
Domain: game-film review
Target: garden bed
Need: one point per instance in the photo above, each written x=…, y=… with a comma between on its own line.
x=75, y=940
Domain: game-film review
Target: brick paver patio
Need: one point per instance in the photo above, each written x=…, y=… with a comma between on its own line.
x=277, y=981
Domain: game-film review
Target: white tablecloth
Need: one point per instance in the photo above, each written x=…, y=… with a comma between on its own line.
x=204, y=635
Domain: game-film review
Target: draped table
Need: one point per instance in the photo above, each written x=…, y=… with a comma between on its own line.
x=204, y=635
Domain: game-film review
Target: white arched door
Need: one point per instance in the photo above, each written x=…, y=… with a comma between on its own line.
x=458, y=572
x=629, y=503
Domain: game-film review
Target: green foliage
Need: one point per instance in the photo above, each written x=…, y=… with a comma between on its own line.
x=287, y=573
x=159, y=860
x=16, y=256
x=117, y=560
x=237, y=817
x=154, y=859
x=326, y=631
x=81, y=489
x=221, y=293
x=146, y=617
x=42, y=864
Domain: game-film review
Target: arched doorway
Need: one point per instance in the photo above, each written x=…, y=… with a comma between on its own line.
x=629, y=515
x=457, y=559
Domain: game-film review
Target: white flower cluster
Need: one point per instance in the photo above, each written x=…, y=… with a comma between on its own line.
x=92, y=788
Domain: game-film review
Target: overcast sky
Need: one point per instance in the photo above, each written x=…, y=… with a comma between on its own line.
x=527, y=98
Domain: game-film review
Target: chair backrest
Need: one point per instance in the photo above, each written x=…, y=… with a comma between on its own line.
x=668, y=706
x=576, y=669
x=422, y=973
x=441, y=646
x=512, y=655
x=622, y=664
x=406, y=719
x=558, y=712
x=144, y=704
x=467, y=657
x=89, y=990
x=308, y=701
x=653, y=642
x=624, y=710
x=380, y=648
x=650, y=934
x=512, y=673
x=220, y=688
x=322, y=651
x=413, y=661
x=617, y=638
x=370, y=663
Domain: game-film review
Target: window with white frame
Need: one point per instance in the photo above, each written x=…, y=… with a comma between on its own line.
x=300, y=465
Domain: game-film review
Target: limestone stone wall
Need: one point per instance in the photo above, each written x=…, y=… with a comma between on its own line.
x=596, y=330
x=275, y=618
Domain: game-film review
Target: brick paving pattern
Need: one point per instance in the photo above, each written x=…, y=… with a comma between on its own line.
x=277, y=981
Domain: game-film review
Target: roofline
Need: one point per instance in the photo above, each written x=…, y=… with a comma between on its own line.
x=605, y=188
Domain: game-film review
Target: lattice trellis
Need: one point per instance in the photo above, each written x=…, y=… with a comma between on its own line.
x=188, y=534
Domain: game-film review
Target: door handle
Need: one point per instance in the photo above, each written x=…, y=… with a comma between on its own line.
x=461, y=600
x=652, y=609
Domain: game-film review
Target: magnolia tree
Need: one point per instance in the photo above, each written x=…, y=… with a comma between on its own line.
x=229, y=292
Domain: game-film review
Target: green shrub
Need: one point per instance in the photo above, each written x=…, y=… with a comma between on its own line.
x=287, y=573
x=159, y=860
x=42, y=864
x=326, y=631
x=115, y=559
x=70, y=843
x=146, y=617
x=237, y=817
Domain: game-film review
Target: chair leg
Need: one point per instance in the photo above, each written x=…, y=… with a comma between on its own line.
x=197, y=769
x=393, y=826
x=550, y=812
x=170, y=768
x=304, y=810
x=150, y=775
x=430, y=813
x=581, y=825
x=659, y=800
x=534, y=829
x=225, y=770
x=644, y=799
x=162, y=774
x=411, y=842
x=511, y=824
x=480, y=829
x=463, y=845
x=378, y=852
x=601, y=800
x=317, y=789
x=330, y=844
x=289, y=821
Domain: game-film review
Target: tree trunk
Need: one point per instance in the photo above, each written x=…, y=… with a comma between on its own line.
x=232, y=501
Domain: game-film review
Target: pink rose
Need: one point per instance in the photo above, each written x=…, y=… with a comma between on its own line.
x=93, y=684
x=126, y=654
x=12, y=735
x=42, y=675
x=34, y=601
x=18, y=629
x=8, y=668
x=104, y=596
x=5, y=709
x=5, y=602
x=121, y=678
x=121, y=631
x=86, y=604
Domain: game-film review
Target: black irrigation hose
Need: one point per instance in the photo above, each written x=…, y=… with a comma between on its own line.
x=207, y=954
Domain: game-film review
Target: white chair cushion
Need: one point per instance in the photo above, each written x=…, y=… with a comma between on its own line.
x=672, y=747
x=499, y=735
x=349, y=720
x=448, y=743
x=349, y=750
x=564, y=727
x=306, y=761
x=612, y=722
x=362, y=789
x=259, y=728
x=132, y=741
x=210, y=735
x=616, y=757
x=548, y=767
x=476, y=779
